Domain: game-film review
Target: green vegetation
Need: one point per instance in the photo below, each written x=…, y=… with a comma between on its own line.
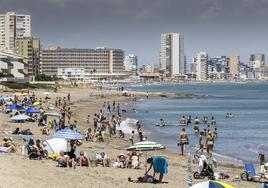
x=43, y=77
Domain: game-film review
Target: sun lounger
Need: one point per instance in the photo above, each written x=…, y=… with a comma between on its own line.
x=250, y=174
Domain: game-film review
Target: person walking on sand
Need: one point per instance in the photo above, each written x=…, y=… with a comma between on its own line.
x=183, y=140
x=69, y=97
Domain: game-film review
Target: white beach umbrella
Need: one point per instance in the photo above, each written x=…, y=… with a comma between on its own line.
x=52, y=114
x=146, y=146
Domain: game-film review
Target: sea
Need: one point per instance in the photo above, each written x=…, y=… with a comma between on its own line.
x=248, y=102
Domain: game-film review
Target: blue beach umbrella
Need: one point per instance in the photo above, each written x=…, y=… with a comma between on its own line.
x=68, y=134
x=32, y=110
x=21, y=117
x=14, y=107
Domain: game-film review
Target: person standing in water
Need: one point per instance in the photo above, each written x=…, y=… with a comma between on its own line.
x=210, y=144
x=183, y=140
x=162, y=123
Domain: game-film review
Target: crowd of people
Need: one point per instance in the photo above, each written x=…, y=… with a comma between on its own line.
x=106, y=125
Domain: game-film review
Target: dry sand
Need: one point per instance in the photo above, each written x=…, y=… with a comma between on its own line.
x=18, y=171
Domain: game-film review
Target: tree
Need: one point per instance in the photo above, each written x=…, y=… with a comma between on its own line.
x=43, y=77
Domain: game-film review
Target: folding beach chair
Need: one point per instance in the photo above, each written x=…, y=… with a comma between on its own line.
x=250, y=174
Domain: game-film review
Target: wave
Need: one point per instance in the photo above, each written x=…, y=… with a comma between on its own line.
x=128, y=125
x=223, y=157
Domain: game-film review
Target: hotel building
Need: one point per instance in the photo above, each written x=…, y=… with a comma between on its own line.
x=83, y=64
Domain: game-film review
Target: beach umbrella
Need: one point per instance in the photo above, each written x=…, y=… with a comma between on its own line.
x=55, y=145
x=21, y=117
x=46, y=93
x=5, y=98
x=264, y=185
x=146, y=146
x=51, y=114
x=68, y=134
x=32, y=110
x=14, y=107
x=212, y=184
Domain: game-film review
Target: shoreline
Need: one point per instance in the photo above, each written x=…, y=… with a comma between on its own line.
x=15, y=174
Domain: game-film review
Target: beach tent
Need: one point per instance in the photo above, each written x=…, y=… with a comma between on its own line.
x=146, y=146
x=21, y=117
x=68, y=134
x=212, y=184
x=14, y=107
x=32, y=110
x=264, y=185
x=55, y=145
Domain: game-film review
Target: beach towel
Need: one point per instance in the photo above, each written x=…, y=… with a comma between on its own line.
x=160, y=165
x=3, y=149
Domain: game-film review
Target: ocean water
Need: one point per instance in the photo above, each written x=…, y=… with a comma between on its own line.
x=247, y=101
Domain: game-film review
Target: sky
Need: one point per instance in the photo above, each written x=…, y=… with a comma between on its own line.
x=219, y=27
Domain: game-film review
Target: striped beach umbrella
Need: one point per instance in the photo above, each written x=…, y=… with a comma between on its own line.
x=146, y=146
x=21, y=117
x=212, y=184
x=68, y=134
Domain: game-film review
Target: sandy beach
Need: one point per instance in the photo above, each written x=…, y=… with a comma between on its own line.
x=18, y=171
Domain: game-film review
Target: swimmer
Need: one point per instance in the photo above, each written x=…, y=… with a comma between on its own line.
x=162, y=123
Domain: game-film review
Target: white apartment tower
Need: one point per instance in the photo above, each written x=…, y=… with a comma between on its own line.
x=13, y=26
x=201, y=66
x=172, y=58
x=131, y=63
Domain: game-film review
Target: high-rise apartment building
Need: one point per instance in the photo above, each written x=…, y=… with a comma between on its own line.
x=257, y=61
x=172, y=58
x=12, y=26
x=29, y=48
x=234, y=65
x=201, y=66
x=131, y=63
x=82, y=64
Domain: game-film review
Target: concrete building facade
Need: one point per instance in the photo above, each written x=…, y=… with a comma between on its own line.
x=172, y=57
x=94, y=63
x=201, y=66
x=11, y=67
x=29, y=48
x=12, y=26
x=234, y=65
x=131, y=63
